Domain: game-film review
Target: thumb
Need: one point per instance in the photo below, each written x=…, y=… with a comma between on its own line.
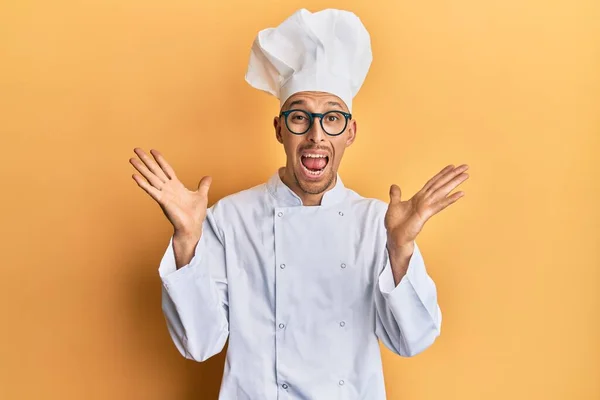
x=204, y=185
x=395, y=194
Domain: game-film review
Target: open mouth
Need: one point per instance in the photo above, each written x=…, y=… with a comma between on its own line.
x=314, y=164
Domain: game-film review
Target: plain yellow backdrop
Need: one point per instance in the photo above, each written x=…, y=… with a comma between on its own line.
x=510, y=87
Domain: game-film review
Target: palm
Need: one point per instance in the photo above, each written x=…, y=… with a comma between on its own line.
x=184, y=208
x=404, y=220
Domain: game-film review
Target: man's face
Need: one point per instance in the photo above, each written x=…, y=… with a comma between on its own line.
x=313, y=158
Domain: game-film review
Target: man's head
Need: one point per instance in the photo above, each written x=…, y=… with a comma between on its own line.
x=313, y=157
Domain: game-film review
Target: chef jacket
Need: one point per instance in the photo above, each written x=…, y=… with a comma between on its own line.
x=302, y=293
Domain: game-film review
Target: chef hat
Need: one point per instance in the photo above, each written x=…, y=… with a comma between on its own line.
x=326, y=51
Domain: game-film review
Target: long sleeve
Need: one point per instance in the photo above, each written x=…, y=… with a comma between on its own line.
x=408, y=315
x=195, y=297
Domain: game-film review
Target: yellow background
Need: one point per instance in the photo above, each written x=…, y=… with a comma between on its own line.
x=510, y=87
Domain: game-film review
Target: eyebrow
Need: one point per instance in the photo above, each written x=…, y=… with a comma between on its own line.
x=296, y=102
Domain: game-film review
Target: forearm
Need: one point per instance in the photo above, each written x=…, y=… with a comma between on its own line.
x=195, y=294
x=409, y=316
x=196, y=311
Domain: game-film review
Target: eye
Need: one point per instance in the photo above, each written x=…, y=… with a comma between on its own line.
x=332, y=118
x=298, y=117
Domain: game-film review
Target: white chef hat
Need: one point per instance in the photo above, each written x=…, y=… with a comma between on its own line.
x=326, y=51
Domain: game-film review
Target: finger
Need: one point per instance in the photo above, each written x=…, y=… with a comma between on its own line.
x=437, y=176
x=151, y=164
x=449, y=200
x=164, y=165
x=395, y=194
x=204, y=185
x=445, y=178
x=443, y=191
x=150, y=177
x=151, y=190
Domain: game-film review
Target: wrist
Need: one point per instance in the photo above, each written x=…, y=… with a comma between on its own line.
x=184, y=247
x=401, y=251
x=186, y=236
x=399, y=259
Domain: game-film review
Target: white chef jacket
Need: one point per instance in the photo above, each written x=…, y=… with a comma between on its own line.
x=302, y=293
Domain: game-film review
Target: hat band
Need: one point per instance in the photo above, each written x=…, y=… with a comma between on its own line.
x=307, y=81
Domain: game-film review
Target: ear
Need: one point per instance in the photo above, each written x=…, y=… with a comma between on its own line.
x=352, y=130
x=277, y=126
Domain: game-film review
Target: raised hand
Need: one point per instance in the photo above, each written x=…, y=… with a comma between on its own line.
x=184, y=208
x=405, y=219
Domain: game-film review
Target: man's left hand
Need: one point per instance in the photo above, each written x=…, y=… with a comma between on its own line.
x=405, y=219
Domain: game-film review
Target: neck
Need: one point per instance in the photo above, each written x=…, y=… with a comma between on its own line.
x=308, y=199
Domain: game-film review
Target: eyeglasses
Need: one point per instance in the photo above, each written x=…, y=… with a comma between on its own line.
x=299, y=122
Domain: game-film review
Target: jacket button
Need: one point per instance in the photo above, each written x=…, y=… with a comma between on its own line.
x=280, y=214
x=285, y=386
x=282, y=266
x=341, y=382
x=341, y=214
x=281, y=326
x=342, y=324
x=343, y=265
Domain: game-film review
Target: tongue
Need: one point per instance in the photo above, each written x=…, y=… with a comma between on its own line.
x=314, y=164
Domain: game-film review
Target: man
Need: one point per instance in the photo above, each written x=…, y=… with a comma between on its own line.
x=301, y=274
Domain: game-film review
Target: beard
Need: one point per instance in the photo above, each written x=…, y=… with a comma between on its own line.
x=317, y=187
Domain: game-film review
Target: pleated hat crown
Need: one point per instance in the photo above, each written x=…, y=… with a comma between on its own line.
x=326, y=51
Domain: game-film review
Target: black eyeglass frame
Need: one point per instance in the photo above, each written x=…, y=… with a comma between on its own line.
x=311, y=117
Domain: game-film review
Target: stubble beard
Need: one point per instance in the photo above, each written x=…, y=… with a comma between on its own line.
x=316, y=187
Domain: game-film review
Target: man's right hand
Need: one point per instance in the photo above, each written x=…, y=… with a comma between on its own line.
x=184, y=208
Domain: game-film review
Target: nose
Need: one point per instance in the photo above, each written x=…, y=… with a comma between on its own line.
x=316, y=134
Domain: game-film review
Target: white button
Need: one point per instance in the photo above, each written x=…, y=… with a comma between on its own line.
x=282, y=266
x=341, y=213
x=285, y=386
x=342, y=324
x=341, y=382
x=280, y=214
x=343, y=265
x=281, y=326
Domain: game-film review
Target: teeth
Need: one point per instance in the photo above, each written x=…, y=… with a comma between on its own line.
x=314, y=155
x=315, y=173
